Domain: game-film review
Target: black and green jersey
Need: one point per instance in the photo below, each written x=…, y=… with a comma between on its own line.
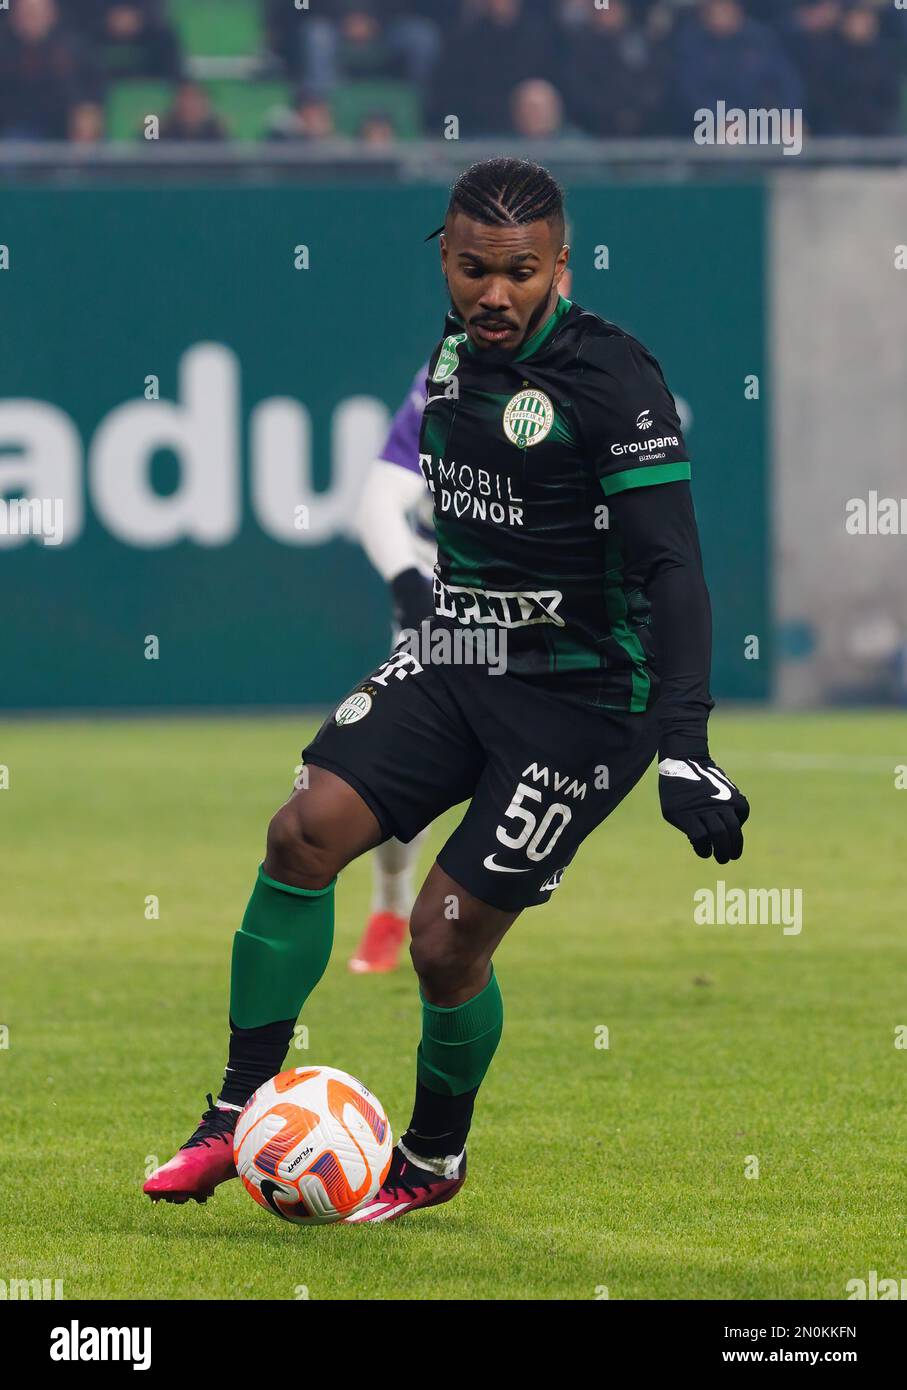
x=521, y=459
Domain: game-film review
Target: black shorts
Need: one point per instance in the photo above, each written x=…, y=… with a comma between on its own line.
x=539, y=770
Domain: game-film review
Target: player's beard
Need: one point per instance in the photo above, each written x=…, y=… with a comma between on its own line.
x=497, y=356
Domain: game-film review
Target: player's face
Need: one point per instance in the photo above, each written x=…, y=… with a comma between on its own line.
x=503, y=281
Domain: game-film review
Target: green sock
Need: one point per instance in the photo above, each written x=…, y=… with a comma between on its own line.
x=280, y=952
x=458, y=1044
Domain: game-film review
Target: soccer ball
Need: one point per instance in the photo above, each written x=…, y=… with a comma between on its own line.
x=312, y=1145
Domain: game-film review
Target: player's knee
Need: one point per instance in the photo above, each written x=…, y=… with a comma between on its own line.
x=297, y=853
x=442, y=962
x=437, y=970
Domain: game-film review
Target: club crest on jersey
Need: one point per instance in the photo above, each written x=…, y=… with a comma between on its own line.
x=528, y=418
x=448, y=359
x=354, y=708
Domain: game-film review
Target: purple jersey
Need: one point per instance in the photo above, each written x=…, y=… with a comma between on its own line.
x=402, y=443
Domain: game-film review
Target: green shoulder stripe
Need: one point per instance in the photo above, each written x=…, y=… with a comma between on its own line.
x=645, y=477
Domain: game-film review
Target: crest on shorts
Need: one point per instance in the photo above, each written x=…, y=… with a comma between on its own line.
x=528, y=418
x=354, y=708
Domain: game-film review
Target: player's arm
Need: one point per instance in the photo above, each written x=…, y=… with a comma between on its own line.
x=392, y=488
x=650, y=506
x=660, y=541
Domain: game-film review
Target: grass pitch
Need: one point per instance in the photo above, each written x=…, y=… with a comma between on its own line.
x=592, y=1168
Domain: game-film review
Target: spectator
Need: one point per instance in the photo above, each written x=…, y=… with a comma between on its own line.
x=538, y=110
x=616, y=85
x=660, y=21
x=309, y=118
x=46, y=75
x=359, y=44
x=774, y=12
x=376, y=130
x=579, y=11
x=133, y=37
x=867, y=98
x=415, y=36
x=191, y=116
x=349, y=39
x=495, y=47
x=721, y=55
x=86, y=123
x=283, y=34
x=811, y=33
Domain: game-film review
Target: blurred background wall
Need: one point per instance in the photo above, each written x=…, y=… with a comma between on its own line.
x=839, y=418
x=276, y=386
x=215, y=289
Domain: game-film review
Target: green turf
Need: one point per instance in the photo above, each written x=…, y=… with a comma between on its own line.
x=621, y=1168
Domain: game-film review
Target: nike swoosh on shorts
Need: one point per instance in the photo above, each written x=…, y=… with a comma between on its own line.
x=501, y=868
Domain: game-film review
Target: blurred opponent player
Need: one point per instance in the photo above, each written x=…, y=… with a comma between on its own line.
x=394, y=521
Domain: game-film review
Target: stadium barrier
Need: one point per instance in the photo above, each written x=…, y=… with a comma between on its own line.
x=279, y=326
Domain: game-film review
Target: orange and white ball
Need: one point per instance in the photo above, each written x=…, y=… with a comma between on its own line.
x=312, y=1145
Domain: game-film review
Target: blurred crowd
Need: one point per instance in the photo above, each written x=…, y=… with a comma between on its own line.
x=538, y=69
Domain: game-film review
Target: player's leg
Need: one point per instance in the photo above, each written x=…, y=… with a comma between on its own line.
x=454, y=936
x=393, y=867
x=389, y=759
x=284, y=943
x=555, y=769
x=279, y=954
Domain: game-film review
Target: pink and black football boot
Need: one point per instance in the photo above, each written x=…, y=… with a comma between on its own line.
x=203, y=1163
x=407, y=1187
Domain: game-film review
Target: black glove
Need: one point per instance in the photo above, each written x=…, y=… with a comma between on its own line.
x=413, y=599
x=703, y=802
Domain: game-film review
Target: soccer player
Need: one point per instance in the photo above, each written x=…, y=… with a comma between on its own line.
x=553, y=451
x=395, y=526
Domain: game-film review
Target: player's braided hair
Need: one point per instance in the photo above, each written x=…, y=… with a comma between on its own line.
x=507, y=193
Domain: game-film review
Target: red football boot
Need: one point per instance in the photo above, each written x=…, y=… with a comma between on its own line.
x=204, y=1161
x=382, y=941
x=407, y=1187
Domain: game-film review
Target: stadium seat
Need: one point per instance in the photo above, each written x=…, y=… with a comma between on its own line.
x=129, y=102
x=245, y=106
x=353, y=101
x=218, y=28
